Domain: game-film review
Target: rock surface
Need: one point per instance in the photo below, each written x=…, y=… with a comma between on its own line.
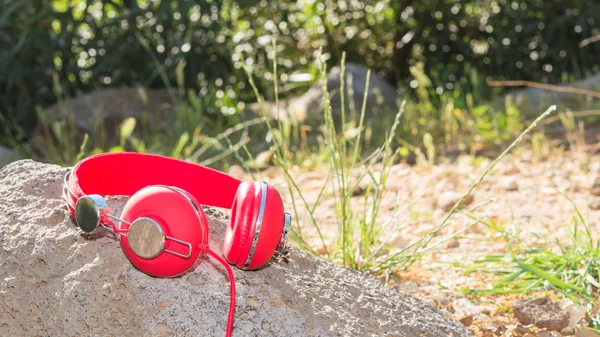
x=112, y=106
x=541, y=312
x=382, y=97
x=533, y=101
x=56, y=281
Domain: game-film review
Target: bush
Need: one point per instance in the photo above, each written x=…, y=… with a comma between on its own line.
x=82, y=45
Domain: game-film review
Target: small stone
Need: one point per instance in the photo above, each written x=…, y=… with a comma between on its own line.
x=448, y=199
x=486, y=322
x=452, y=243
x=595, y=204
x=576, y=312
x=595, y=190
x=163, y=304
x=464, y=307
x=467, y=321
x=358, y=190
x=509, y=184
x=542, y=312
x=568, y=331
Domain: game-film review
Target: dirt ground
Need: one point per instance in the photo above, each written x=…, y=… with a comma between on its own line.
x=522, y=193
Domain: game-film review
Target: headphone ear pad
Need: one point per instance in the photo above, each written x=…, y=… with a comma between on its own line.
x=273, y=221
x=175, y=212
x=241, y=226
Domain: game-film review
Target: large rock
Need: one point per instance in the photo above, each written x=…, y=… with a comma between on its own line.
x=111, y=106
x=382, y=98
x=533, y=101
x=56, y=281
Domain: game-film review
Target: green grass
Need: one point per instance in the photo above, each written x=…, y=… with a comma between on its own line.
x=360, y=242
x=571, y=268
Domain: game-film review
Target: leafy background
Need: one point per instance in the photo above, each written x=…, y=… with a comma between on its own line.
x=84, y=45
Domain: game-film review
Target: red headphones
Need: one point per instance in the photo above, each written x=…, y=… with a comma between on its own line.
x=162, y=229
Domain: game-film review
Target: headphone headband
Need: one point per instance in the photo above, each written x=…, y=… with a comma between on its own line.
x=125, y=173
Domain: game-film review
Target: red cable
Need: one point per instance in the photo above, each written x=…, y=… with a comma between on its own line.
x=232, y=294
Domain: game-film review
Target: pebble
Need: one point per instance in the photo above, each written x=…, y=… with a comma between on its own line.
x=568, y=331
x=463, y=307
x=595, y=204
x=595, y=190
x=509, y=184
x=447, y=200
x=542, y=312
x=467, y=320
x=576, y=312
x=452, y=243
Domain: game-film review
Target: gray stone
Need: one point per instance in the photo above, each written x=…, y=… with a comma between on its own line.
x=533, y=101
x=541, y=312
x=57, y=281
x=568, y=331
x=110, y=106
x=382, y=98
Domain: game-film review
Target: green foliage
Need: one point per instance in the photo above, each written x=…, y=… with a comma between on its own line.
x=454, y=126
x=201, y=45
x=464, y=43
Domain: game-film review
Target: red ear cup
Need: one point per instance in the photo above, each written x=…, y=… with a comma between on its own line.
x=242, y=218
x=271, y=229
x=179, y=217
x=256, y=226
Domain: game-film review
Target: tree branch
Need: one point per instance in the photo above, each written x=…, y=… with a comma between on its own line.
x=545, y=86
